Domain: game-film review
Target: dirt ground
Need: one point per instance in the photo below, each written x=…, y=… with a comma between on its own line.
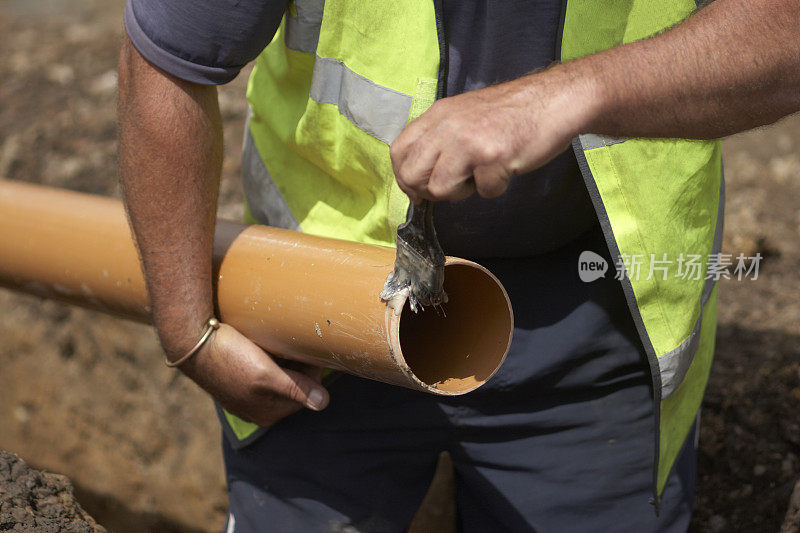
x=31, y=500
x=87, y=395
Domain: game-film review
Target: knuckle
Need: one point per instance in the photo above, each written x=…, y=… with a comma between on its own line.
x=489, y=152
x=414, y=176
x=435, y=191
x=438, y=186
x=294, y=392
x=396, y=149
x=439, y=105
x=263, y=381
x=407, y=176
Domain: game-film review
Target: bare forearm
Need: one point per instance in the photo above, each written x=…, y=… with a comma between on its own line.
x=170, y=159
x=732, y=66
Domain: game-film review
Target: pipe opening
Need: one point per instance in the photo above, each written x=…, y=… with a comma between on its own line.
x=456, y=351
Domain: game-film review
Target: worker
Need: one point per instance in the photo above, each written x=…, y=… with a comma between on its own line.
x=543, y=131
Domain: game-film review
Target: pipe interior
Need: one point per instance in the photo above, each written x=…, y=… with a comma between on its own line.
x=459, y=347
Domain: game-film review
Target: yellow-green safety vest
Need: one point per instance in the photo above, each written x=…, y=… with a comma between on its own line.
x=341, y=79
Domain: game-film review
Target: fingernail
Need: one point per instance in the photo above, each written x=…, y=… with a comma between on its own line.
x=316, y=400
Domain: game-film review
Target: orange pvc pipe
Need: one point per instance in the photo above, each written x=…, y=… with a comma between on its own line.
x=298, y=296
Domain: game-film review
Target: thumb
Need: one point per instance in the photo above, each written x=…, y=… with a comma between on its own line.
x=302, y=389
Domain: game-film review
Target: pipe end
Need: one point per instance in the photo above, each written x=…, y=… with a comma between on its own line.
x=457, y=348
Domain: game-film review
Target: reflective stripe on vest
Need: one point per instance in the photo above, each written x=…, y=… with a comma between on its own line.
x=338, y=138
x=589, y=141
x=265, y=203
x=375, y=110
x=674, y=364
x=302, y=27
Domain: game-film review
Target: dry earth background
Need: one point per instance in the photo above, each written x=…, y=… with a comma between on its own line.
x=86, y=395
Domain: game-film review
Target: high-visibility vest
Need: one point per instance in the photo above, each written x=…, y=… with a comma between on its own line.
x=341, y=79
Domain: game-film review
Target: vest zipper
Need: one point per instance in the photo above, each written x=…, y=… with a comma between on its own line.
x=441, y=82
x=652, y=359
x=627, y=288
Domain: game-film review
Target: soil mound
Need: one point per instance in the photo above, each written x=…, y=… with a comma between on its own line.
x=32, y=500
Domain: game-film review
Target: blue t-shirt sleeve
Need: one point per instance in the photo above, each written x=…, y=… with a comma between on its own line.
x=202, y=41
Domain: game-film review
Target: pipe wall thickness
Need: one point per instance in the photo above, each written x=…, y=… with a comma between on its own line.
x=298, y=296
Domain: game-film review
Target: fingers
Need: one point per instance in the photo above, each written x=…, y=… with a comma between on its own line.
x=412, y=163
x=454, y=176
x=293, y=385
x=247, y=382
x=278, y=394
x=491, y=181
x=451, y=152
x=431, y=170
x=451, y=180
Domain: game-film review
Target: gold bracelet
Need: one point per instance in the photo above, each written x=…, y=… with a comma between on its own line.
x=211, y=325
